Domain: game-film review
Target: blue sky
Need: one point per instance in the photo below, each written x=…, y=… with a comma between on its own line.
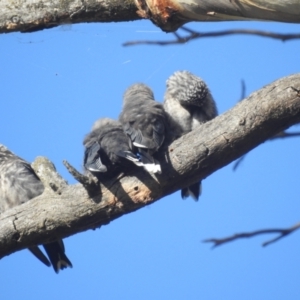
x=55, y=83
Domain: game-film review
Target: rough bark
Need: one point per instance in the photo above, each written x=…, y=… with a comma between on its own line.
x=169, y=15
x=63, y=210
x=33, y=15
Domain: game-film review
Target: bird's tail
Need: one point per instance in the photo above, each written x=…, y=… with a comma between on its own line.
x=57, y=256
x=36, y=251
x=193, y=190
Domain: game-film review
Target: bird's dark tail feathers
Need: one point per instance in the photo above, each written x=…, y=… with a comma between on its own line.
x=36, y=251
x=57, y=256
x=193, y=190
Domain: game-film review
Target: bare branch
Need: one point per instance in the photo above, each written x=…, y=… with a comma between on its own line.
x=32, y=15
x=193, y=35
x=89, y=182
x=284, y=134
x=48, y=175
x=282, y=233
x=191, y=158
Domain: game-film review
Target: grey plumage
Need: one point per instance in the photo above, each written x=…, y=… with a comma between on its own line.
x=145, y=122
x=108, y=150
x=188, y=104
x=19, y=184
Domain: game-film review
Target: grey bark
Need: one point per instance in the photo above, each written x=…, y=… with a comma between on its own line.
x=64, y=210
x=169, y=15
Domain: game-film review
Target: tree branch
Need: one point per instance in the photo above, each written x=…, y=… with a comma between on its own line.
x=280, y=135
x=189, y=159
x=193, y=35
x=169, y=15
x=33, y=15
x=281, y=231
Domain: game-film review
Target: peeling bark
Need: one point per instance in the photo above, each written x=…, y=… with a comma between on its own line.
x=225, y=10
x=63, y=210
x=169, y=15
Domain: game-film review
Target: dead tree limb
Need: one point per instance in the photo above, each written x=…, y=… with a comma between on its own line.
x=68, y=209
x=193, y=35
x=282, y=232
x=32, y=15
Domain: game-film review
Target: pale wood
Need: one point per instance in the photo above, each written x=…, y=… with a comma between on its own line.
x=215, y=144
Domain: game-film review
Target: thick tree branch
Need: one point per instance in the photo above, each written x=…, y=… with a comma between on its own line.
x=169, y=15
x=282, y=232
x=190, y=158
x=33, y=15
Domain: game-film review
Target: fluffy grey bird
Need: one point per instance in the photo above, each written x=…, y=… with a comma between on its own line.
x=19, y=184
x=188, y=104
x=108, y=150
x=145, y=122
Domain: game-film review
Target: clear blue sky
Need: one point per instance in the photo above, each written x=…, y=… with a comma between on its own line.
x=55, y=83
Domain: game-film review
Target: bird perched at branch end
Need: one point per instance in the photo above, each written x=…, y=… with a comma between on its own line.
x=19, y=184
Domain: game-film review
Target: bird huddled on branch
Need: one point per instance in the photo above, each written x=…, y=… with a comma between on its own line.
x=112, y=146
x=188, y=104
x=145, y=122
x=147, y=125
x=108, y=150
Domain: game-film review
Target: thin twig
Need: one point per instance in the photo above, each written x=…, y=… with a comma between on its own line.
x=243, y=95
x=282, y=233
x=196, y=35
x=238, y=162
x=280, y=135
x=243, y=89
x=284, y=134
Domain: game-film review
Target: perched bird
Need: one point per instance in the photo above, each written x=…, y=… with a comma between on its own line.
x=108, y=150
x=19, y=184
x=145, y=122
x=188, y=104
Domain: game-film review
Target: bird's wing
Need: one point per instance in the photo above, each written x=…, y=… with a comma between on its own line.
x=92, y=160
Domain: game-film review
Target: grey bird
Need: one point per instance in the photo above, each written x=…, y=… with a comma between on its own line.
x=19, y=184
x=188, y=104
x=108, y=150
x=145, y=122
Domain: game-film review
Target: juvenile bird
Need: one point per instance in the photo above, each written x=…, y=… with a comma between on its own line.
x=188, y=104
x=19, y=184
x=145, y=122
x=108, y=150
